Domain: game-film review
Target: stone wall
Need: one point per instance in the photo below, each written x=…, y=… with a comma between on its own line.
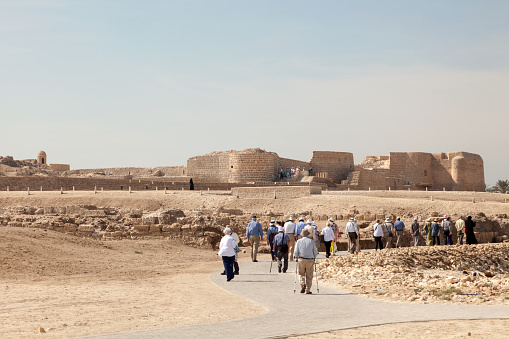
x=336, y=165
x=275, y=192
x=134, y=171
x=60, y=167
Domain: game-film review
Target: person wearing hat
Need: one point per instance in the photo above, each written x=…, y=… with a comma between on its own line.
x=290, y=232
x=352, y=233
x=254, y=233
x=305, y=253
x=271, y=233
x=447, y=227
x=377, y=235
x=388, y=229
x=415, y=232
x=299, y=227
x=435, y=232
x=328, y=237
x=460, y=228
x=399, y=226
x=280, y=245
x=227, y=252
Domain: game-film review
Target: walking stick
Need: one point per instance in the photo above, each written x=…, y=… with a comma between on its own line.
x=271, y=261
x=316, y=273
x=295, y=283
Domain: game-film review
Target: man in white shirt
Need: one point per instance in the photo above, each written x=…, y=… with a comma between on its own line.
x=290, y=231
x=328, y=237
x=352, y=232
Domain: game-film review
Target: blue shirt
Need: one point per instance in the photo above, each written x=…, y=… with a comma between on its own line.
x=272, y=230
x=399, y=225
x=281, y=239
x=305, y=248
x=299, y=227
x=254, y=228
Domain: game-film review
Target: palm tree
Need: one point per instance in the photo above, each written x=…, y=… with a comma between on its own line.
x=502, y=186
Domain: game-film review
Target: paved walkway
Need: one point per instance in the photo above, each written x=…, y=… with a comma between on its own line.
x=328, y=310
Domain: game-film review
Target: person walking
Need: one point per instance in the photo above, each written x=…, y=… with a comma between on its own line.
x=427, y=231
x=254, y=233
x=352, y=232
x=236, y=238
x=415, y=232
x=388, y=229
x=280, y=244
x=299, y=227
x=469, y=231
x=316, y=237
x=227, y=252
x=305, y=253
x=271, y=233
x=435, y=232
x=460, y=228
x=335, y=229
x=290, y=232
x=399, y=226
x=447, y=227
x=328, y=237
x=377, y=234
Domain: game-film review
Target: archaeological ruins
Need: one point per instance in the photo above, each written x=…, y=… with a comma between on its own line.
x=453, y=171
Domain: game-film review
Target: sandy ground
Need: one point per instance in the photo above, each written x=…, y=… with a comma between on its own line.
x=71, y=286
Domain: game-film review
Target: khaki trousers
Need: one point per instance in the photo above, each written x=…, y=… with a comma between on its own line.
x=255, y=243
x=306, y=269
x=399, y=235
x=292, y=244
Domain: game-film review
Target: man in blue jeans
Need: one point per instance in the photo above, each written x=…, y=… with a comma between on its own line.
x=399, y=226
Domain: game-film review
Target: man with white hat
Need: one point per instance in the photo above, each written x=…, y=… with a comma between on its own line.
x=254, y=233
x=388, y=229
x=280, y=245
x=299, y=227
x=352, y=233
x=290, y=232
x=328, y=237
x=305, y=253
x=271, y=233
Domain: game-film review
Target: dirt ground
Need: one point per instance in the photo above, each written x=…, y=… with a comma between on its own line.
x=73, y=286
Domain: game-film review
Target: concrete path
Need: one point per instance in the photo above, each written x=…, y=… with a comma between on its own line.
x=328, y=310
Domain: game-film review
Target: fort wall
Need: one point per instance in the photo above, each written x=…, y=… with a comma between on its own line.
x=335, y=165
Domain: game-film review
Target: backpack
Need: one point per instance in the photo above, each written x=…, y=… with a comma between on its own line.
x=272, y=235
x=283, y=247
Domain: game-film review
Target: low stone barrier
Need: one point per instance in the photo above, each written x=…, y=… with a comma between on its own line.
x=275, y=192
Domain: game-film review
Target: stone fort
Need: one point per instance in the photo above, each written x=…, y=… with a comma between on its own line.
x=454, y=171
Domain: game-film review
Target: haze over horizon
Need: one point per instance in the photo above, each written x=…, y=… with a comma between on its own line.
x=128, y=84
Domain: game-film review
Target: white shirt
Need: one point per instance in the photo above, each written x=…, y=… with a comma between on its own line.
x=328, y=234
x=351, y=227
x=227, y=246
x=377, y=230
x=289, y=227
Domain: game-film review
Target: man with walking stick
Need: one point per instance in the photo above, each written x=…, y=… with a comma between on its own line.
x=305, y=254
x=280, y=244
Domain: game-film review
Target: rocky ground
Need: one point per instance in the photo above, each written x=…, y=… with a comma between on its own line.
x=471, y=274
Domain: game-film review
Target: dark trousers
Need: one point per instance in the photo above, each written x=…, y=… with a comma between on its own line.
x=460, y=238
x=436, y=240
x=228, y=266
x=284, y=256
x=378, y=243
x=327, y=248
x=448, y=238
x=273, y=252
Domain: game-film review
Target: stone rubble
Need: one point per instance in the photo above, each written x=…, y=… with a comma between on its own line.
x=472, y=274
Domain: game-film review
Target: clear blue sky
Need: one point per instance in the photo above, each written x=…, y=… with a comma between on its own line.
x=152, y=83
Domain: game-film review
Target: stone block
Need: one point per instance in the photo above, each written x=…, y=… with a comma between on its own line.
x=70, y=228
x=141, y=228
x=155, y=228
x=86, y=228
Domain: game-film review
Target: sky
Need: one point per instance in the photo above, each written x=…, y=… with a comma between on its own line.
x=122, y=83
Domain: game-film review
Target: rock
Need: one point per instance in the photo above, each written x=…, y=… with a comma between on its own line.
x=41, y=330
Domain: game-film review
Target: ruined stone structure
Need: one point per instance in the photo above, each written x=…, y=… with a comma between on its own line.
x=256, y=165
x=455, y=171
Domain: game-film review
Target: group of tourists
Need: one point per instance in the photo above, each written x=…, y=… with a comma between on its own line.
x=433, y=230
x=291, y=171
